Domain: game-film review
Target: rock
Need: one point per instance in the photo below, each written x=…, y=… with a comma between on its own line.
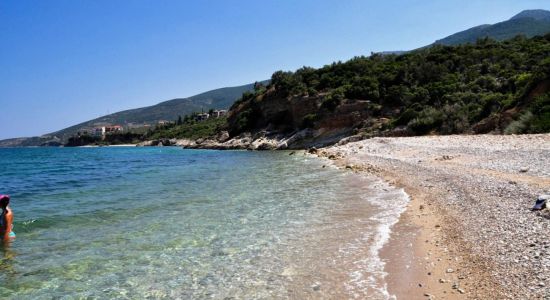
x=441, y=280
x=312, y=150
x=349, y=139
x=266, y=146
x=316, y=287
x=185, y=143
x=292, y=153
x=449, y=270
x=165, y=142
x=332, y=157
x=223, y=137
x=147, y=143
x=282, y=145
x=461, y=291
x=523, y=169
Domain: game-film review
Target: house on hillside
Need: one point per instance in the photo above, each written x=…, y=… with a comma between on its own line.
x=219, y=113
x=104, y=130
x=202, y=117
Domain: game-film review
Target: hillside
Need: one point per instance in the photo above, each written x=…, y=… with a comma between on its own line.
x=488, y=86
x=169, y=110
x=528, y=23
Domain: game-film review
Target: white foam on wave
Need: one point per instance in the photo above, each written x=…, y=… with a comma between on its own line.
x=367, y=278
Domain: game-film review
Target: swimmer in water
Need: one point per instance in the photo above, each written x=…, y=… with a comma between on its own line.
x=6, y=219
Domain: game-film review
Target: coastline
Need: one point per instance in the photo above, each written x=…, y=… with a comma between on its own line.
x=450, y=242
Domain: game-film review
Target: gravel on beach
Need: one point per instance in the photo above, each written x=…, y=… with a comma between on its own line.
x=486, y=186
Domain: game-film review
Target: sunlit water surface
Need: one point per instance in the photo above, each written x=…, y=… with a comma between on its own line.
x=170, y=223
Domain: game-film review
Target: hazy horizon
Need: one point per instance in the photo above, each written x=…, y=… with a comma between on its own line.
x=65, y=62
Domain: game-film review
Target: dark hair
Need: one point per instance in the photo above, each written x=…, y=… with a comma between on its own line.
x=4, y=201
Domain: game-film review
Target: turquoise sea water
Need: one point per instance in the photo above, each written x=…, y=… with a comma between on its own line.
x=170, y=223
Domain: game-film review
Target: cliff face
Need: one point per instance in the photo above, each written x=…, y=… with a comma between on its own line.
x=277, y=114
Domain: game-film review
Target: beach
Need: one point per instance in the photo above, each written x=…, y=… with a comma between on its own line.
x=468, y=231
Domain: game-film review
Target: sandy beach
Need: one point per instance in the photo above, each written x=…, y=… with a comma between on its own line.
x=468, y=231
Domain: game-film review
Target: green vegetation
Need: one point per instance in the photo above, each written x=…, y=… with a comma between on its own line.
x=183, y=128
x=110, y=139
x=441, y=89
x=189, y=129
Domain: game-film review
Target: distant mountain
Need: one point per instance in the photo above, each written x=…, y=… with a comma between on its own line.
x=528, y=23
x=169, y=110
x=537, y=14
x=31, y=141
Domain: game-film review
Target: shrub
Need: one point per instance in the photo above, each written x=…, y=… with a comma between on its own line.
x=541, y=114
x=333, y=99
x=521, y=125
x=405, y=117
x=309, y=121
x=427, y=120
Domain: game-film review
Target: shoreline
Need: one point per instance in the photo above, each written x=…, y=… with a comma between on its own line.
x=443, y=246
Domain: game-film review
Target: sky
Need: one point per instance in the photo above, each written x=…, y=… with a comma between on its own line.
x=63, y=62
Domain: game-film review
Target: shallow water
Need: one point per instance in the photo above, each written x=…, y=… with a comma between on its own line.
x=169, y=223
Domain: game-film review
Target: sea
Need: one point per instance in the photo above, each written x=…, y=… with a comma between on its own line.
x=169, y=223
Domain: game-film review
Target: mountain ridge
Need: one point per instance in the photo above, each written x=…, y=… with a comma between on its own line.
x=528, y=23
x=537, y=14
x=169, y=110
x=221, y=98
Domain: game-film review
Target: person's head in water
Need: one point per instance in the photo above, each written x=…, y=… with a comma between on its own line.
x=4, y=201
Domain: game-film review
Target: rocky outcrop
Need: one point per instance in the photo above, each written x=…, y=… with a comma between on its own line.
x=264, y=140
x=161, y=143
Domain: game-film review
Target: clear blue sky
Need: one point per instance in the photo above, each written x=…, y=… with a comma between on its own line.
x=64, y=62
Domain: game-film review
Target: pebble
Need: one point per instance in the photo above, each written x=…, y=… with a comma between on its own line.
x=483, y=191
x=450, y=270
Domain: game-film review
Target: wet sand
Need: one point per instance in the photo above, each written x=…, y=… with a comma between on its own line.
x=468, y=232
x=335, y=260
